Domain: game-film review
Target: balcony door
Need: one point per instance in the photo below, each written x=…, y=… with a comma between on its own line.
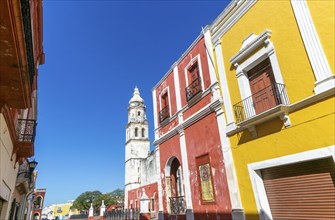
x=262, y=85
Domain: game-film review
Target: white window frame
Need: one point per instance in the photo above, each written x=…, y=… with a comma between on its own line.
x=257, y=181
x=195, y=59
x=265, y=49
x=165, y=90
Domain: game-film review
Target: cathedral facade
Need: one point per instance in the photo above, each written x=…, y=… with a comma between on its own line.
x=141, y=173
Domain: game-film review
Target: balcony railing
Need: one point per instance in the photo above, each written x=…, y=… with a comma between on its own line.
x=261, y=101
x=193, y=89
x=164, y=113
x=177, y=205
x=26, y=130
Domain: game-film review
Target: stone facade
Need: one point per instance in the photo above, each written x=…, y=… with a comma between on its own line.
x=140, y=164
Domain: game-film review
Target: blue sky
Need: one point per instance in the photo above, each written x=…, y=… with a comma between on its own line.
x=96, y=53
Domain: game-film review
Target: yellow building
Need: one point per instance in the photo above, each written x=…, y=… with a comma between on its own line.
x=59, y=211
x=275, y=64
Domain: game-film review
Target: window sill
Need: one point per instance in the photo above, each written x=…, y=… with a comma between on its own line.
x=250, y=123
x=196, y=98
x=165, y=122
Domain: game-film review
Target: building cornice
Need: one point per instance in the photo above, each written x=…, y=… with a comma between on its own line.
x=140, y=139
x=189, y=105
x=200, y=36
x=208, y=109
x=230, y=15
x=251, y=47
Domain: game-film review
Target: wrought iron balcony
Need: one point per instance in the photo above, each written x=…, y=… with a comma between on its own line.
x=193, y=89
x=26, y=130
x=164, y=113
x=177, y=205
x=261, y=101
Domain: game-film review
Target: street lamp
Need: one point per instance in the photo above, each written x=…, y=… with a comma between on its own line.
x=27, y=173
x=32, y=165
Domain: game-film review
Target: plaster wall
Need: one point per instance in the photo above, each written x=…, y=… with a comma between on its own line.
x=8, y=172
x=149, y=171
x=168, y=149
x=312, y=126
x=324, y=26
x=151, y=190
x=198, y=50
x=203, y=138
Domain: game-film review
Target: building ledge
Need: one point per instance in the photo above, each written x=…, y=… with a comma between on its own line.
x=250, y=123
x=281, y=111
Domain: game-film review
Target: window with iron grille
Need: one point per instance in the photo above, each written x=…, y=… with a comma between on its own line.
x=165, y=109
x=194, y=82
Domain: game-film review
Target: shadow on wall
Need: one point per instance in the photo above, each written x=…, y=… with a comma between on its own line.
x=262, y=130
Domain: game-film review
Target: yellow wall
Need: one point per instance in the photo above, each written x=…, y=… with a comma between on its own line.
x=293, y=61
x=65, y=210
x=325, y=26
x=312, y=126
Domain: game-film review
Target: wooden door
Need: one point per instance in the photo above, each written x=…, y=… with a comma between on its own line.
x=262, y=87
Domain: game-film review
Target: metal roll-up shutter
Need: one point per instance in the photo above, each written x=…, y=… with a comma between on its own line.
x=301, y=191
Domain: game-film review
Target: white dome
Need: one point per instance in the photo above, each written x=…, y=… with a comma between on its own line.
x=136, y=97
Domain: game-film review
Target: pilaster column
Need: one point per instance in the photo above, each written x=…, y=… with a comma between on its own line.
x=234, y=193
x=159, y=185
x=224, y=86
x=186, y=176
x=177, y=86
x=324, y=78
x=210, y=54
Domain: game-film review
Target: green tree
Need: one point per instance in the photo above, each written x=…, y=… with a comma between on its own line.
x=83, y=202
x=118, y=196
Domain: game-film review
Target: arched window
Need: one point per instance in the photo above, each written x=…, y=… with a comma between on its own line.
x=139, y=113
x=143, y=132
x=136, y=132
x=38, y=202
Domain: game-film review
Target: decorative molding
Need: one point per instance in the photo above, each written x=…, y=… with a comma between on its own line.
x=177, y=87
x=232, y=13
x=281, y=110
x=312, y=99
x=190, y=121
x=200, y=36
x=193, y=60
x=263, y=117
x=185, y=108
x=228, y=162
x=154, y=101
x=224, y=84
x=250, y=47
x=252, y=130
x=286, y=119
x=324, y=78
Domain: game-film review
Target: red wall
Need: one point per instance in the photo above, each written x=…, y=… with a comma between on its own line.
x=200, y=49
x=169, y=148
x=203, y=138
x=151, y=191
x=37, y=194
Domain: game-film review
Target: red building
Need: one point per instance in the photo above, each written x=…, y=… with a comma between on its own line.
x=187, y=113
x=38, y=204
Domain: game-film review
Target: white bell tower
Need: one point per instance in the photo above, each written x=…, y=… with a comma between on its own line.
x=137, y=145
